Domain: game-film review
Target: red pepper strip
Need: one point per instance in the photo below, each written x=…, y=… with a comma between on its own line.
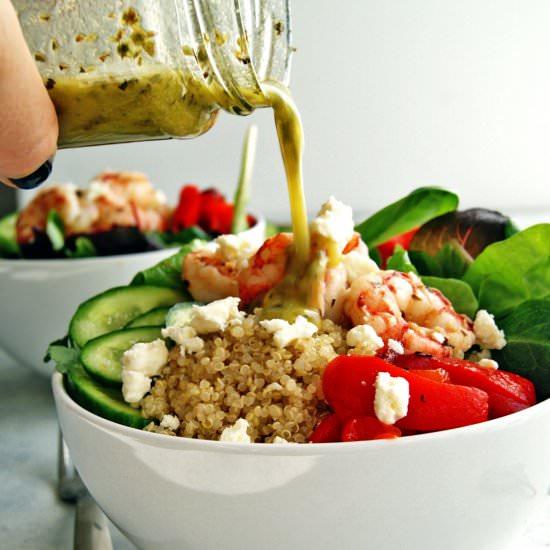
x=507, y=392
x=348, y=386
x=368, y=427
x=216, y=213
x=327, y=431
x=436, y=375
x=386, y=249
x=187, y=211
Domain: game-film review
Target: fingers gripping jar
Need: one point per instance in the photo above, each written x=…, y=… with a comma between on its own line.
x=123, y=70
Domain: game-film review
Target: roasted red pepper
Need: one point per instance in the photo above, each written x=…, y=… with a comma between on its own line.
x=366, y=428
x=507, y=392
x=348, y=386
x=187, y=211
x=327, y=431
x=386, y=249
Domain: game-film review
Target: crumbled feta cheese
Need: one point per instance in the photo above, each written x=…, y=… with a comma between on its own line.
x=284, y=332
x=241, y=247
x=335, y=222
x=213, y=317
x=488, y=364
x=236, y=433
x=396, y=346
x=364, y=336
x=357, y=263
x=170, y=422
x=488, y=335
x=185, y=336
x=391, y=398
x=146, y=357
x=141, y=362
x=134, y=385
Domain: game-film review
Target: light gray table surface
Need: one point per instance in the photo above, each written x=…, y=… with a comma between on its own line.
x=31, y=516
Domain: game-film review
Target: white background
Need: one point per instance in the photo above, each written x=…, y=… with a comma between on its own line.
x=394, y=94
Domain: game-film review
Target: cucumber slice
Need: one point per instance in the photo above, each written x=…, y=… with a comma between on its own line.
x=8, y=241
x=102, y=356
x=180, y=314
x=113, y=309
x=155, y=317
x=105, y=402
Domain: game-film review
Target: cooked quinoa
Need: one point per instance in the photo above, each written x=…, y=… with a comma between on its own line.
x=242, y=373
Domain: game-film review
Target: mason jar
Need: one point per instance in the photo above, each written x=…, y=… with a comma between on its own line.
x=132, y=70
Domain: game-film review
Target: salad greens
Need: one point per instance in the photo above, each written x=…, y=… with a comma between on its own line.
x=418, y=207
x=510, y=278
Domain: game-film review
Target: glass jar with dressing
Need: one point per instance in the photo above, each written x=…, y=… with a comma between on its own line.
x=130, y=70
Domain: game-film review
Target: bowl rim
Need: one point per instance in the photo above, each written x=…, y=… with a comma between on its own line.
x=63, y=399
x=49, y=262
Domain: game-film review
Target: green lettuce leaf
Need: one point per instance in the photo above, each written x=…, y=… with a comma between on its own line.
x=420, y=206
x=457, y=292
x=510, y=272
x=167, y=272
x=527, y=352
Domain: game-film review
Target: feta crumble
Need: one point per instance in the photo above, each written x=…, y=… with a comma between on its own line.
x=365, y=337
x=488, y=335
x=236, y=433
x=135, y=385
x=284, y=332
x=488, y=364
x=213, y=317
x=186, y=337
x=396, y=346
x=357, y=263
x=139, y=364
x=391, y=398
x=170, y=422
x=335, y=222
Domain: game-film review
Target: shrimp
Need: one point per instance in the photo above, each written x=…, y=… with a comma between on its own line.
x=265, y=269
x=210, y=275
x=400, y=307
x=62, y=199
x=113, y=199
x=127, y=199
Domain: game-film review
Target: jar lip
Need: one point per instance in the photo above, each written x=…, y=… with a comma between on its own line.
x=256, y=49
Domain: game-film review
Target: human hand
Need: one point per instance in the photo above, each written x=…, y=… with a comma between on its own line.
x=28, y=123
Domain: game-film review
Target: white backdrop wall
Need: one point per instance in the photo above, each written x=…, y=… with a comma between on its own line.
x=394, y=94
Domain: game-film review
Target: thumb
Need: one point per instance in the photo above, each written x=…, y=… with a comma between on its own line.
x=28, y=131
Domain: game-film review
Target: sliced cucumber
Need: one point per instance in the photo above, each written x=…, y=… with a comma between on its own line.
x=155, y=317
x=8, y=240
x=105, y=402
x=116, y=307
x=180, y=314
x=102, y=356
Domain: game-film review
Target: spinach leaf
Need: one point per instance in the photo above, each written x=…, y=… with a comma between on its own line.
x=83, y=248
x=425, y=264
x=510, y=272
x=457, y=292
x=420, y=206
x=168, y=271
x=400, y=261
x=453, y=259
x=527, y=352
x=161, y=239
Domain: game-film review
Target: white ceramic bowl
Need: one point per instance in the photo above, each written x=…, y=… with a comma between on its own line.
x=469, y=488
x=38, y=297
